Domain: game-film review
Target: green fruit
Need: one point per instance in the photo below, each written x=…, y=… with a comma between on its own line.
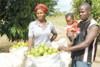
x=35, y=49
x=46, y=48
x=28, y=53
x=26, y=44
x=50, y=51
x=45, y=54
x=55, y=51
x=41, y=50
x=36, y=54
x=33, y=52
x=42, y=44
x=15, y=46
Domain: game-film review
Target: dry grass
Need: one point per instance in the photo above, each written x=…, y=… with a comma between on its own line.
x=57, y=20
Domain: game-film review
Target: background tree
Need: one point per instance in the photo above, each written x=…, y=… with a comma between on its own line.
x=95, y=7
x=15, y=16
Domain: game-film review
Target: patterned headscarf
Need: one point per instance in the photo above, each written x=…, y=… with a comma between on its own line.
x=42, y=7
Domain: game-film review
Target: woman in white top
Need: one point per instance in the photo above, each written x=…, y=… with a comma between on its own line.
x=40, y=30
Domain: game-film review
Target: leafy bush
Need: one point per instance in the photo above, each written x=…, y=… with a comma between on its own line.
x=15, y=15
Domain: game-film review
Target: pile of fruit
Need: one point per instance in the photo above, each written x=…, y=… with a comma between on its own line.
x=42, y=50
x=19, y=44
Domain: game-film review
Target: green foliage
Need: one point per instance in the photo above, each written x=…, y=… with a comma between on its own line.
x=15, y=16
x=76, y=4
x=96, y=9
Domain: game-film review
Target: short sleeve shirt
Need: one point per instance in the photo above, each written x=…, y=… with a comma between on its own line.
x=40, y=34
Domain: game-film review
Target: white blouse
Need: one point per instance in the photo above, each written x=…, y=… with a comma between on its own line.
x=39, y=33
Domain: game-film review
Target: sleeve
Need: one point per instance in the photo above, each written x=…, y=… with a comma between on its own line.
x=30, y=31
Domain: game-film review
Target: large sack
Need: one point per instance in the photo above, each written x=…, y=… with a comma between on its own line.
x=13, y=59
x=65, y=57
x=44, y=61
x=5, y=60
x=10, y=60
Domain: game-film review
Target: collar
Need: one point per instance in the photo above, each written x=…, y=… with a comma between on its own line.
x=87, y=19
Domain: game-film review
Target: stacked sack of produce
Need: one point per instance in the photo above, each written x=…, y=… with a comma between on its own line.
x=18, y=46
x=16, y=56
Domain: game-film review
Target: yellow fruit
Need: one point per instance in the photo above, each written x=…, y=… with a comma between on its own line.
x=55, y=51
x=36, y=54
x=41, y=50
x=46, y=48
x=49, y=51
x=45, y=54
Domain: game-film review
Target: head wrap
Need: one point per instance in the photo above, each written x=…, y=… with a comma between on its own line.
x=42, y=7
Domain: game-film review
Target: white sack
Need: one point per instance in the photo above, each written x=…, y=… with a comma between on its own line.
x=13, y=59
x=44, y=61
